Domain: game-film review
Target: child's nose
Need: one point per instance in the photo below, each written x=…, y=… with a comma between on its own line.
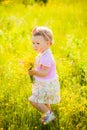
x=35, y=45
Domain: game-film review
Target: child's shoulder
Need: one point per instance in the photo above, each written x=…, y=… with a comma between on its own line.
x=47, y=57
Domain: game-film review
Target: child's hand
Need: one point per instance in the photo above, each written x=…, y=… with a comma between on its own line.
x=31, y=72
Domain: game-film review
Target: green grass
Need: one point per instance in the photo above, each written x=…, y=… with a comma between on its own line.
x=69, y=24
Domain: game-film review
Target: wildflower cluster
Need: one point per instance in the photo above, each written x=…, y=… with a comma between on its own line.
x=28, y=64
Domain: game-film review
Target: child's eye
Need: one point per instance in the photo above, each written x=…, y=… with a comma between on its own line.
x=33, y=43
x=38, y=43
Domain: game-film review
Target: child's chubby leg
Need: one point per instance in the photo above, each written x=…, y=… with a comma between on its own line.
x=48, y=105
x=41, y=107
x=48, y=115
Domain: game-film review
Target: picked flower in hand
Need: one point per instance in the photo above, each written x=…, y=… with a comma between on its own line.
x=28, y=64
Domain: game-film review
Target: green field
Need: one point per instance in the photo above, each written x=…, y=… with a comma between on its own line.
x=68, y=20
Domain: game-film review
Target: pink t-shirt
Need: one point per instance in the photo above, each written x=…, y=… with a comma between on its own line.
x=46, y=59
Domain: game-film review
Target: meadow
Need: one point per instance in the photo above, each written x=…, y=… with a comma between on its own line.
x=68, y=20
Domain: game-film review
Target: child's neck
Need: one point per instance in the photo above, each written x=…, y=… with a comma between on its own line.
x=45, y=50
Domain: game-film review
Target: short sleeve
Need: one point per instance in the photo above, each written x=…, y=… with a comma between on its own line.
x=46, y=60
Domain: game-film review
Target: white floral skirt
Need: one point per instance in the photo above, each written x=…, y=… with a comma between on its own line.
x=45, y=92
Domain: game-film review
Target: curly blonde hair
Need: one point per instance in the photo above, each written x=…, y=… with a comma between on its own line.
x=43, y=31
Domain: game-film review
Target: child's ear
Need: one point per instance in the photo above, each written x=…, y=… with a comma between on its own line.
x=48, y=43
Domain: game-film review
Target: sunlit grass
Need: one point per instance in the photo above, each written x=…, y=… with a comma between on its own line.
x=68, y=22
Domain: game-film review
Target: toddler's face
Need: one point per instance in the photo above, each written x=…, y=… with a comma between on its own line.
x=39, y=44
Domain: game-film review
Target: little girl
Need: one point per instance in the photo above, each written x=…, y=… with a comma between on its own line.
x=46, y=88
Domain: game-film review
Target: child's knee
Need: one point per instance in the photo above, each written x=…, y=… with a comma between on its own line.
x=30, y=102
x=33, y=103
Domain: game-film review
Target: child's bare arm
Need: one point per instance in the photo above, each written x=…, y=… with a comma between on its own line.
x=41, y=73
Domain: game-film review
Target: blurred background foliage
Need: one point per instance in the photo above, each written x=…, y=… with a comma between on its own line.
x=68, y=20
